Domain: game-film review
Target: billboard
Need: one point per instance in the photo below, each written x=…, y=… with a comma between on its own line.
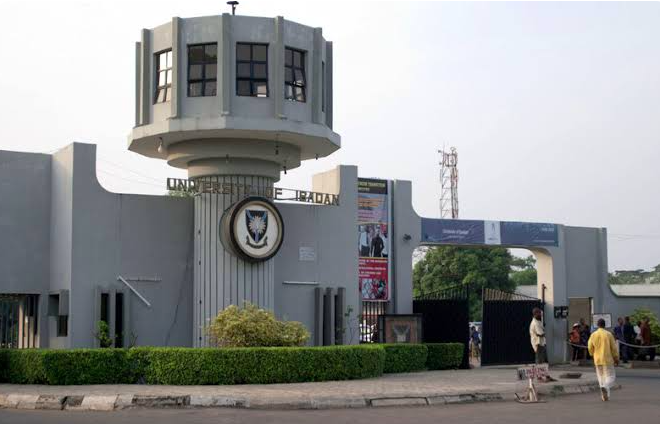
x=464, y=231
x=373, y=243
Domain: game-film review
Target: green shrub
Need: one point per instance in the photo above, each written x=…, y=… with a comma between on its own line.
x=640, y=314
x=404, y=357
x=192, y=366
x=444, y=356
x=254, y=327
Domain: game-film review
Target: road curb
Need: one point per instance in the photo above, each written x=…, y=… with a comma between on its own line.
x=124, y=401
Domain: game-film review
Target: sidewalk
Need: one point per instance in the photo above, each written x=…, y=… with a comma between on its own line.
x=422, y=388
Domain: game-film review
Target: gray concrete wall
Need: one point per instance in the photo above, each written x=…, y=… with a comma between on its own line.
x=331, y=232
x=129, y=235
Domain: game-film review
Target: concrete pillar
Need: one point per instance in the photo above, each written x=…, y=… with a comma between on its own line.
x=220, y=278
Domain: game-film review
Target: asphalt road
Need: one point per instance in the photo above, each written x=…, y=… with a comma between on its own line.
x=637, y=402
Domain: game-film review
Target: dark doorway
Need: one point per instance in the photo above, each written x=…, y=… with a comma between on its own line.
x=446, y=317
x=505, y=328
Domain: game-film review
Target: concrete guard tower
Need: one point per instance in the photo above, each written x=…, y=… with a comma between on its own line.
x=235, y=100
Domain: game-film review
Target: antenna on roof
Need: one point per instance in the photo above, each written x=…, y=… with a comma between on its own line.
x=233, y=5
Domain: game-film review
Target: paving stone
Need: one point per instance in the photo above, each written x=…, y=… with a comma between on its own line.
x=488, y=397
x=279, y=403
x=452, y=399
x=124, y=401
x=3, y=400
x=436, y=400
x=22, y=401
x=160, y=401
x=98, y=402
x=73, y=402
x=215, y=401
x=412, y=401
x=50, y=402
x=338, y=402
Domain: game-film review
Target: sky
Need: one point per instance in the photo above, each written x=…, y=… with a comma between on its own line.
x=554, y=108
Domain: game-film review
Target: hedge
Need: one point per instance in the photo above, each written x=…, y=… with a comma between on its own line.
x=191, y=366
x=444, y=356
x=198, y=366
x=403, y=357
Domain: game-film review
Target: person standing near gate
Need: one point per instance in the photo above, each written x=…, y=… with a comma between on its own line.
x=602, y=347
x=537, y=336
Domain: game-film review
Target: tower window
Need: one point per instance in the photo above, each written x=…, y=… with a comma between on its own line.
x=163, y=76
x=202, y=69
x=294, y=75
x=252, y=69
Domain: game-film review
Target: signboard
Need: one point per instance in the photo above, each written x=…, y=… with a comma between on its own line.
x=252, y=229
x=373, y=241
x=464, y=231
x=534, y=371
x=306, y=254
x=194, y=186
x=606, y=317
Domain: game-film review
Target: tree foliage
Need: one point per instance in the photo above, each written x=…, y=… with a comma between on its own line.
x=523, y=271
x=640, y=314
x=447, y=266
x=253, y=327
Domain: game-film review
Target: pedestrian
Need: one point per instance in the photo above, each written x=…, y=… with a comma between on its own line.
x=629, y=338
x=602, y=347
x=645, y=334
x=537, y=336
x=475, y=342
x=585, y=333
x=618, y=335
x=638, y=340
x=574, y=338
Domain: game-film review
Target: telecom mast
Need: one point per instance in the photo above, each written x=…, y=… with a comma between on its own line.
x=448, y=183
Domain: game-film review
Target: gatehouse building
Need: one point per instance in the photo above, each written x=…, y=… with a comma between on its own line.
x=237, y=101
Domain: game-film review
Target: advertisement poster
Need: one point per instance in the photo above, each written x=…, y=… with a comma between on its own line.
x=373, y=239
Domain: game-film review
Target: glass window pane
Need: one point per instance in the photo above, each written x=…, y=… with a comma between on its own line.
x=195, y=72
x=242, y=52
x=288, y=74
x=169, y=59
x=160, y=95
x=297, y=59
x=300, y=94
x=168, y=93
x=243, y=70
x=260, y=89
x=211, y=53
x=243, y=88
x=288, y=57
x=210, y=71
x=162, y=78
x=260, y=53
x=195, y=89
x=209, y=88
x=162, y=61
x=169, y=76
x=300, y=77
x=259, y=70
x=195, y=54
x=288, y=92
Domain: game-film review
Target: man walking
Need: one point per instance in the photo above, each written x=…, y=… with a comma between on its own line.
x=537, y=336
x=620, y=339
x=629, y=338
x=602, y=347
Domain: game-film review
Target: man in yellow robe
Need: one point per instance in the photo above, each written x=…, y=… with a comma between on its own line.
x=602, y=347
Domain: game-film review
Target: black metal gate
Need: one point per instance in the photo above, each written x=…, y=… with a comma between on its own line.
x=18, y=321
x=446, y=317
x=505, y=327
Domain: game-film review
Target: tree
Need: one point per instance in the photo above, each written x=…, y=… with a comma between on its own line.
x=448, y=266
x=523, y=271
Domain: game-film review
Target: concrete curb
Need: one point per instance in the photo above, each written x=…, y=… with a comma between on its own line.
x=123, y=401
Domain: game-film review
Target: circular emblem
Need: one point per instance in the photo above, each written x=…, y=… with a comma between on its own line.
x=253, y=229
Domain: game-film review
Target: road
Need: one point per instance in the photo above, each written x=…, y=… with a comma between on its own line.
x=638, y=401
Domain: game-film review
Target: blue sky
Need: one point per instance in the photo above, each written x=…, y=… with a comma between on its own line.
x=554, y=107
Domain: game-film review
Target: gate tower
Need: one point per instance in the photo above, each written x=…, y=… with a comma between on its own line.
x=235, y=100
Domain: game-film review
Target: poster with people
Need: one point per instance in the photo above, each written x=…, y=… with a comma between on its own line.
x=373, y=239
